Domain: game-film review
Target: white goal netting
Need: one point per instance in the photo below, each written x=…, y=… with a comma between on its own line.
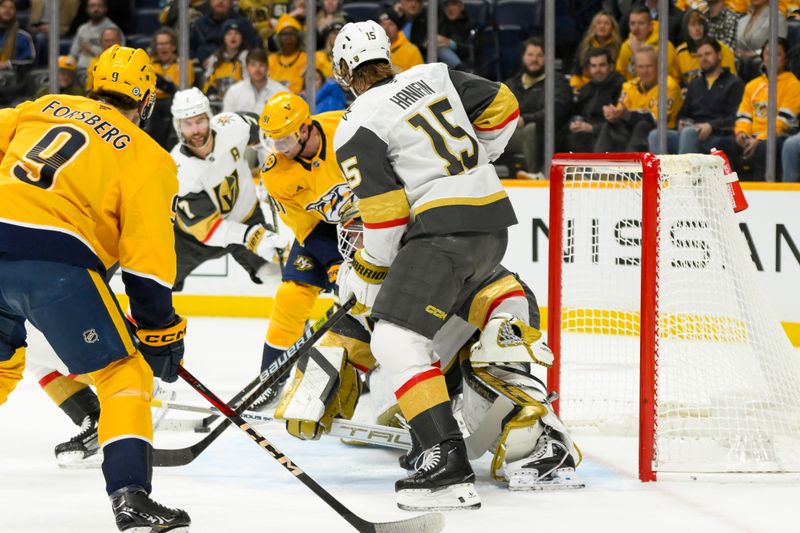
x=727, y=377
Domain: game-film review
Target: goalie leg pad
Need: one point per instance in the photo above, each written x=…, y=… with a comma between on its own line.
x=508, y=339
x=325, y=386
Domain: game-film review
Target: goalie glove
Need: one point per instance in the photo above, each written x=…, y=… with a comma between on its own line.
x=265, y=243
x=325, y=386
x=507, y=339
x=163, y=348
x=362, y=278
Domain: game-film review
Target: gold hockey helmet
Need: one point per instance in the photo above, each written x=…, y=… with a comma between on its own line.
x=127, y=72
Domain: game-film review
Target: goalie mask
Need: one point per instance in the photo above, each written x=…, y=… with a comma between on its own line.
x=356, y=44
x=350, y=232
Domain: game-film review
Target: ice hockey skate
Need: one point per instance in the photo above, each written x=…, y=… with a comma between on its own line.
x=443, y=482
x=82, y=450
x=136, y=512
x=550, y=467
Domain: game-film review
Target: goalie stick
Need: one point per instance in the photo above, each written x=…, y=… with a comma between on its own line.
x=346, y=429
x=427, y=523
x=245, y=398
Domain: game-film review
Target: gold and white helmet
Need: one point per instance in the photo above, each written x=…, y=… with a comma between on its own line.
x=356, y=44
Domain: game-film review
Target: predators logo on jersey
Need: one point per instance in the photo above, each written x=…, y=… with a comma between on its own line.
x=303, y=262
x=330, y=205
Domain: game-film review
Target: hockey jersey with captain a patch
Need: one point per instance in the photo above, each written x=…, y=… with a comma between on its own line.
x=416, y=149
x=217, y=193
x=309, y=191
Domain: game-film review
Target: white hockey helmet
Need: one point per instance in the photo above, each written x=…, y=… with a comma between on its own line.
x=357, y=43
x=189, y=103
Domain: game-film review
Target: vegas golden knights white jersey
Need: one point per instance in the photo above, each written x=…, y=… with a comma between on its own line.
x=217, y=193
x=417, y=150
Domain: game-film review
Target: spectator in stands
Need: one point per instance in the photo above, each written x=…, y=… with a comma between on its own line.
x=644, y=32
x=208, y=32
x=164, y=56
x=330, y=12
x=86, y=44
x=751, y=118
x=324, y=57
x=17, y=50
x=528, y=87
x=674, y=18
x=39, y=26
x=752, y=31
x=110, y=36
x=695, y=27
x=197, y=8
x=722, y=22
x=629, y=122
x=67, y=84
x=602, y=33
x=329, y=96
x=299, y=12
x=251, y=94
x=288, y=64
x=603, y=88
x=709, y=106
x=414, y=23
x=454, y=30
x=404, y=54
x=226, y=65
x=261, y=13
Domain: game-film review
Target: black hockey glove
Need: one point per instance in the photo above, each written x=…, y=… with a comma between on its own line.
x=163, y=348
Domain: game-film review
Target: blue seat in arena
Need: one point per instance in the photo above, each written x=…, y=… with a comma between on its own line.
x=510, y=38
x=138, y=41
x=64, y=45
x=528, y=15
x=146, y=21
x=148, y=3
x=361, y=11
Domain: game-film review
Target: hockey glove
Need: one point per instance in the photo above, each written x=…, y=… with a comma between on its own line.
x=362, y=278
x=265, y=243
x=163, y=348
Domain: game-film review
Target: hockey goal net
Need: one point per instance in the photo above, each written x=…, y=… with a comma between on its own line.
x=657, y=320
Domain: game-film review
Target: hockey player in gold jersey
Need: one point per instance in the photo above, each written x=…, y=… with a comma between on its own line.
x=83, y=188
x=305, y=181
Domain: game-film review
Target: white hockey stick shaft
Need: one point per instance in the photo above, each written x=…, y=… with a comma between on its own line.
x=346, y=429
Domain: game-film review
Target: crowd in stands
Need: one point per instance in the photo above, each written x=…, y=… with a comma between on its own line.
x=606, y=76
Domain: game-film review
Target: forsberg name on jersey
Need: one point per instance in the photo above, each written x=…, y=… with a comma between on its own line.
x=412, y=92
x=104, y=129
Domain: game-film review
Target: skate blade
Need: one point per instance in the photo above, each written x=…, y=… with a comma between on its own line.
x=562, y=479
x=76, y=460
x=459, y=497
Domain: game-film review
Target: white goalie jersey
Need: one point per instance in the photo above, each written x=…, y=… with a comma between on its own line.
x=417, y=150
x=217, y=194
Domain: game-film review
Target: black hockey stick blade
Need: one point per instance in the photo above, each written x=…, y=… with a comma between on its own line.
x=254, y=389
x=428, y=523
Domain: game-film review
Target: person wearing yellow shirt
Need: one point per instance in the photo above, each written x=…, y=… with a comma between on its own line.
x=404, y=53
x=751, y=118
x=324, y=56
x=629, y=122
x=311, y=195
x=643, y=31
x=83, y=190
x=164, y=49
x=695, y=27
x=288, y=64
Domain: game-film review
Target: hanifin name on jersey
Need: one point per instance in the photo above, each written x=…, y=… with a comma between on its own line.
x=412, y=92
x=107, y=131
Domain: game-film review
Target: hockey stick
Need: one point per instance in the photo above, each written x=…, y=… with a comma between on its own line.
x=273, y=207
x=346, y=429
x=245, y=398
x=427, y=523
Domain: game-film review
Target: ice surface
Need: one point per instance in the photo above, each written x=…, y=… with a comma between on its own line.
x=236, y=487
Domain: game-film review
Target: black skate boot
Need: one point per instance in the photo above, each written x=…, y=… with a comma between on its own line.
x=135, y=512
x=444, y=481
x=411, y=460
x=82, y=450
x=550, y=466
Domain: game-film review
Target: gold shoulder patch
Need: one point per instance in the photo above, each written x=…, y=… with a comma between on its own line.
x=270, y=162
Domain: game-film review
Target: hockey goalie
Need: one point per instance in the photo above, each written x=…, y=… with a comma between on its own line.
x=489, y=352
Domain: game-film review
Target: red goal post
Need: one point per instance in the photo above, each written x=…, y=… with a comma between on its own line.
x=656, y=319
